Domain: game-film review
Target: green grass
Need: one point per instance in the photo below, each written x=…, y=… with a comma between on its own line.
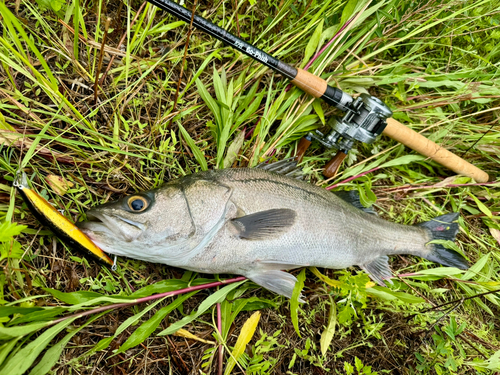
x=436, y=64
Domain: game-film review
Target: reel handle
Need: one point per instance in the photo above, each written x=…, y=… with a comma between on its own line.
x=332, y=167
x=302, y=147
x=428, y=148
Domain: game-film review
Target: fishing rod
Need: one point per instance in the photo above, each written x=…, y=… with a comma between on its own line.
x=365, y=117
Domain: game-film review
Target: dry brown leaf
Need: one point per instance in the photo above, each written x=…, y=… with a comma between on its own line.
x=59, y=184
x=496, y=234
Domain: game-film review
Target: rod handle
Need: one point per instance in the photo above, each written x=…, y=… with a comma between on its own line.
x=308, y=82
x=428, y=148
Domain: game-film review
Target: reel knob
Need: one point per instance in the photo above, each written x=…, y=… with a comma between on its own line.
x=332, y=167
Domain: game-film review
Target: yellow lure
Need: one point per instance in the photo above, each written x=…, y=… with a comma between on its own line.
x=50, y=217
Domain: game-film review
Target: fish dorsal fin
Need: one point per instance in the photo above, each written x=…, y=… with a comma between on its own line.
x=352, y=197
x=286, y=167
x=378, y=270
x=277, y=281
x=265, y=224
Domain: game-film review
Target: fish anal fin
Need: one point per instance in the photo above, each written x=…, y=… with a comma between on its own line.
x=279, y=282
x=264, y=224
x=379, y=270
x=352, y=197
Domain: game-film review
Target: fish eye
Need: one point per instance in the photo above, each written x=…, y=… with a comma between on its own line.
x=137, y=203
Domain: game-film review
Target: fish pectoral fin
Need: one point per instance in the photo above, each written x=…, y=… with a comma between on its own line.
x=379, y=270
x=280, y=282
x=265, y=224
x=352, y=197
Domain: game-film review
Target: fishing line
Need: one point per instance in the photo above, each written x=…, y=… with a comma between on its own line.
x=477, y=141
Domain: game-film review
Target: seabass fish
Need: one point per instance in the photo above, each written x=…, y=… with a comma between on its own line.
x=258, y=223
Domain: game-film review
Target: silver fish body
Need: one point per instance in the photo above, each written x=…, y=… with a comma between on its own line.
x=257, y=223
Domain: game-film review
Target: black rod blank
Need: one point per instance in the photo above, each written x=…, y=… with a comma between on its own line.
x=226, y=37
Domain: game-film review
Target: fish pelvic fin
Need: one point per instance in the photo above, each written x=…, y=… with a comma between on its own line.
x=444, y=227
x=280, y=282
x=264, y=224
x=378, y=270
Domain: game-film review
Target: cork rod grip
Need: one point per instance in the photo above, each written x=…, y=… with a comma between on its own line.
x=426, y=147
x=310, y=83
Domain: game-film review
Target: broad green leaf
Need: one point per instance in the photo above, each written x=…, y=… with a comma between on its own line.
x=209, y=101
x=250, y=110
x=312, y=45
x=104, y=343
x=52, y=355
x=135, y=318
x=485, y=210
x=246, y=334
x=109, y=299
x=389, y=295
x=475, y=269
x=294, y=301
x=11, y=249
x=73, y=298
x=147, y=328
x=327, y=34
x=6, y=348
x=233, y=149
x=46, y=313
x=163, y=286
x=366, y=195
x=218, y=296
x=441, y=271
x=200, y=158
x=319, y=110
x=219, y=87
x=9, y=230
x=7, y=333
x=403, y=160
x=24, y=358
x=327, y=335
x=9, y=310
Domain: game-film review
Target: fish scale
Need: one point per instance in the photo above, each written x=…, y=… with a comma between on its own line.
x=258, y=223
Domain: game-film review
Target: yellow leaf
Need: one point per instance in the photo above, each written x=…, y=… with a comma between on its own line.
x=244, y=338
x=59, y=184
x=327, y=335
x=183, y=333
x=4, y=125
x=325, y=279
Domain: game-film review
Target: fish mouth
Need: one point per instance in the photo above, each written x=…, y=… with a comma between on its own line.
x=108, y=225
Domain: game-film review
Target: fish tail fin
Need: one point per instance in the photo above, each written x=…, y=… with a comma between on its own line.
x=444, y=227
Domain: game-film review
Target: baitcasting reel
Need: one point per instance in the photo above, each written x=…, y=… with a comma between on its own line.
x=364, y=121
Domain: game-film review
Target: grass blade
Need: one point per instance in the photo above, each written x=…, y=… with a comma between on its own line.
x=25, y=357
